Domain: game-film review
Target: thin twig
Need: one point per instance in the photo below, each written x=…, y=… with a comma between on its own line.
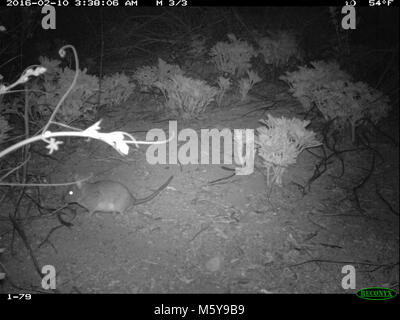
x=392, y=210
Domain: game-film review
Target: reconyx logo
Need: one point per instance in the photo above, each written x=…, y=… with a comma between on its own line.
x=376, y=293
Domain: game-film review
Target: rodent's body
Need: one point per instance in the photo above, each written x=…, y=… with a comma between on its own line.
x=107, y=196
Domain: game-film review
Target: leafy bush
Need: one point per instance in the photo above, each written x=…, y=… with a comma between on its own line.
x=152, y=76
x=187, y=97
x=146, y=76
x=246, y=84
x=197, y=46
x=232, y=57
x=224, y=84
x=305, y=81
x=339, y=99
x=46, y=92
x=349, y=103
x=278, y=48
x=81, y=103
x=279, y=143
x=116, y=89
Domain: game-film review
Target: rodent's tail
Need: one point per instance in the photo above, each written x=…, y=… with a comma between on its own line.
x=155, y=193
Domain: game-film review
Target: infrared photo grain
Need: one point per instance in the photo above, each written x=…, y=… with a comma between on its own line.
x=177, y=148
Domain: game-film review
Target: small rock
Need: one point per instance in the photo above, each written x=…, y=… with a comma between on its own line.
x=214, y=264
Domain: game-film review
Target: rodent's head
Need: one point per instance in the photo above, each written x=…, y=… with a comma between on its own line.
x=73, y=192
x=71, y=195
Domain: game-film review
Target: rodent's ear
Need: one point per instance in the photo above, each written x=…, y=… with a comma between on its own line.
x=78, y=183
x=79, y=179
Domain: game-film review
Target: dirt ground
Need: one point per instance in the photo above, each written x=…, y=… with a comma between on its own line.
x=233, y=236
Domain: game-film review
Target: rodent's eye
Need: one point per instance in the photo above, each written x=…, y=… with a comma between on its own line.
x=70, y=192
